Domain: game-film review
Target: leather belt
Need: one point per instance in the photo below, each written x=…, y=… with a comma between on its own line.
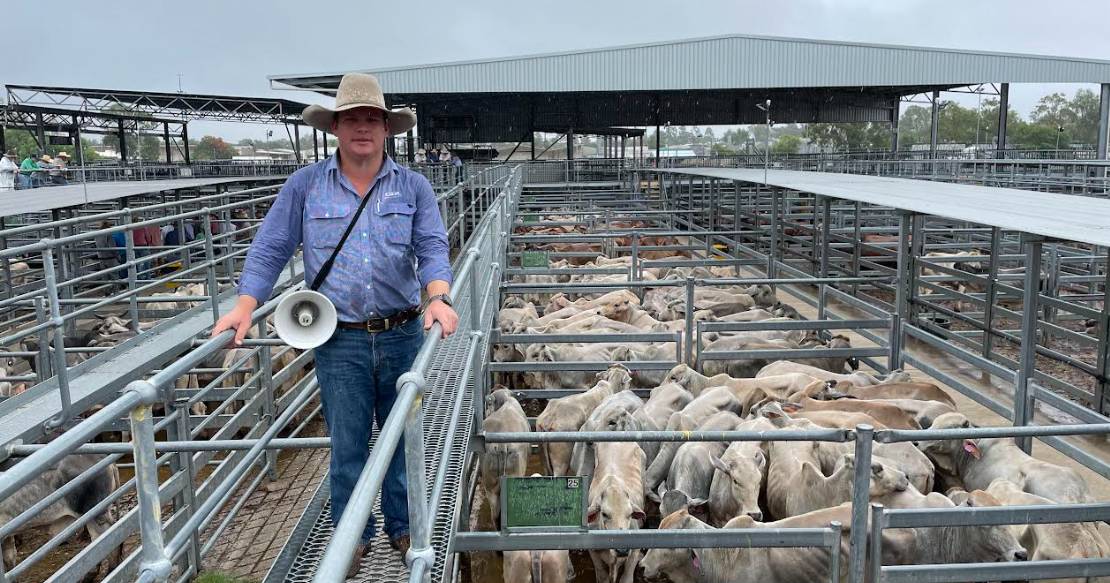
x=376, y=325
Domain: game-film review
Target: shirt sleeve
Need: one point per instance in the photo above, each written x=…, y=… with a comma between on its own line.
x=429, y=237
x=276, y=240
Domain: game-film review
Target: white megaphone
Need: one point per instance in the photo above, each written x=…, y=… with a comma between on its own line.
x=305, y=319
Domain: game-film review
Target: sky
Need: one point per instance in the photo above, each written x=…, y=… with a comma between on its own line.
x=230, y=47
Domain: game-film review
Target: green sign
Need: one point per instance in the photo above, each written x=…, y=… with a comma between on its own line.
x=530, y=219
x=551, y=503
x=534, y=259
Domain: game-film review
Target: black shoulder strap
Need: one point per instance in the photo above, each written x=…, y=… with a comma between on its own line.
x=326, y=267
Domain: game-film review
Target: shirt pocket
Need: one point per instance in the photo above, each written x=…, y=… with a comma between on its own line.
x=395, y=218
x=326, y=223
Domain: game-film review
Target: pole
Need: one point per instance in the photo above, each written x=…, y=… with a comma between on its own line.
x=933, y=126
x=1003, y=111
x=1103, y=120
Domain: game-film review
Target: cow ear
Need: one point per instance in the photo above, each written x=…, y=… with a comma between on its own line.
x=548, y=354
x=638, y=514
x=972, y=448
x=760, y=459
x=876, y=469
x=718, y=463
x=695, y=560
x=591, y=513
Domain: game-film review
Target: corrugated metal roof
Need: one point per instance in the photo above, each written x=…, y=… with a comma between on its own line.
x=727, y=62
x=1082, y=219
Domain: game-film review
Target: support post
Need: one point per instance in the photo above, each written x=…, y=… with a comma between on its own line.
x=1027, y=364
x=657, y=140
x=166, y=139
x=901, y=291
x=934, y=125
x=1103, y=120
x=688, y=339
x=315, y=144
x=410, y=151
x=185, y=141
x=122, y=142
x=861, y=486
x=824, y=246
x=570, y=144
x=1003, y=111
x=894, y=125
x=297, y=142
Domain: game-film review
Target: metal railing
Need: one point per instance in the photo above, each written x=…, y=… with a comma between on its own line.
x=478, y=270
x=249, y=393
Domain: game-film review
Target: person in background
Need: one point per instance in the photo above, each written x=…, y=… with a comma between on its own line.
x=433, y=156
x=8, y=171
x=420, y=158
x=57, y=174
x=30, y=170
x=45, y=166
x=457, y=164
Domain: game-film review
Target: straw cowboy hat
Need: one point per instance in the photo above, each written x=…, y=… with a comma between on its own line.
x=359, y=90
x=63, y=155
x=46, y=158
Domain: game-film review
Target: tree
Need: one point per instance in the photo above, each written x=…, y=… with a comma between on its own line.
x=213, y=148
x=788, y=144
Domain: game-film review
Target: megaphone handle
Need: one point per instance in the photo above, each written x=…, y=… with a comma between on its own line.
x=326, y=267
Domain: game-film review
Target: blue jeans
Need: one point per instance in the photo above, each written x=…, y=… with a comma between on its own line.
x=358, y=374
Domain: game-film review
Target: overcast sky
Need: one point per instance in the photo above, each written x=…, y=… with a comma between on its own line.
x=229, y=47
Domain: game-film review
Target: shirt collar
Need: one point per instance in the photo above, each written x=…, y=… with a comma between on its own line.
x=388, y=165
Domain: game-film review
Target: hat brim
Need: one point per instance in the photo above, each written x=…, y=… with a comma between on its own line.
x=320, y=117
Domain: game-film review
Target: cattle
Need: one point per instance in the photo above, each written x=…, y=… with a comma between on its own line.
x=740, y=475
x=888, y=415
x=613, y=414
x=978, y=462
x=663, y=401
x=1051, y=542
x=858, y=378
x=750, y=367
x=20, y=273
x=71, y=506
x=616, y=502
x=570, y=412
x=691, y=417
x=937, y=545
x=691, y=470
x=748, y=390
x=912, y=391
x=503, y=415
x=537, y=567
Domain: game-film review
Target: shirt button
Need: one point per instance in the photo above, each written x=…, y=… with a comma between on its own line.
x=327, y=215
x=367, y=287
x=365, y=260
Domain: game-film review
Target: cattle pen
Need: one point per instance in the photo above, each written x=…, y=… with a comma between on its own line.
x=929, y=277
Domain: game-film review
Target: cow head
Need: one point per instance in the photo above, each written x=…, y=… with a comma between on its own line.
x=497, y=399
x=946, y=452
x=507, y=353
x=616, y=307
x=678, y=565
x=988, y=544
x=513, y=302
x=614, y=507
x=885, y=478
x=680, y=375
x=556, y=303
x=738, y=480
x=617, y=375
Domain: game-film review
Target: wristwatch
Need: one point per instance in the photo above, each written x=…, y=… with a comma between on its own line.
x=441, y=297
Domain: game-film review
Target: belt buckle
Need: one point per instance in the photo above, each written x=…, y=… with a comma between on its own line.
x=373, y=328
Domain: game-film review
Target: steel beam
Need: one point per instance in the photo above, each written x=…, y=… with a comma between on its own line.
x=1003, y=112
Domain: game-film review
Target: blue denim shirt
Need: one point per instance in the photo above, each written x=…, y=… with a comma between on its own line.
x=398, y=245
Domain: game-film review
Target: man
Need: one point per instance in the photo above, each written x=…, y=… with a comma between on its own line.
x=397, y=245
x=56, y=171
x=8, y=170
x=30, y=170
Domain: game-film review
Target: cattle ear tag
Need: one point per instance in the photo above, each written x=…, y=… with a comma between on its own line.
x=971, y=448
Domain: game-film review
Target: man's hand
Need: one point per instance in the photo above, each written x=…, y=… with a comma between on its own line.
x=239, y=319
x=438, y=311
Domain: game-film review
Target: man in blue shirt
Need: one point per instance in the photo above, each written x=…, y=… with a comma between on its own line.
x=397, y=246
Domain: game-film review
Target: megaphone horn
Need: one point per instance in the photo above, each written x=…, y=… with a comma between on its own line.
x=305, y=319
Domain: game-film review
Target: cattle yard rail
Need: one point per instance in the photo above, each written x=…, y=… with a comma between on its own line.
x=863, y=266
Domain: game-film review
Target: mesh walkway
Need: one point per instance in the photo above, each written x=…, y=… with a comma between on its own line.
x=297, y=563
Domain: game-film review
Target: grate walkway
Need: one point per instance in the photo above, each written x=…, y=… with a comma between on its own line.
x=297, y=562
